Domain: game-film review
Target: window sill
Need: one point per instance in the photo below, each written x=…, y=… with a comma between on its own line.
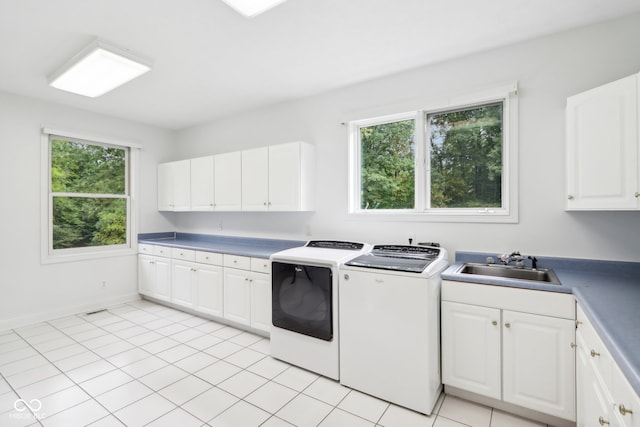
x=473, y=216
x=86, y=255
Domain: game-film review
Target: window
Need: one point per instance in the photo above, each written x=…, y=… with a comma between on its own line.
x=88, y=197
x=455, y=163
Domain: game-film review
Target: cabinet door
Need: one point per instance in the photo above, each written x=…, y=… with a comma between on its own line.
x=182, y=291
x=227, y=177
x=174, y=186
x=284, y=177
x=165, y=187
x=202, y=184
x=162, y=284
x=471, y=348
x=237, y=296
x=209, y=290
x=146, y=274
x=539, y=363
x=261, y=301
x=602, y=136
x=255, y=179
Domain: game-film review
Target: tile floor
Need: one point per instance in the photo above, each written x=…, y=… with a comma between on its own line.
x=143, y=364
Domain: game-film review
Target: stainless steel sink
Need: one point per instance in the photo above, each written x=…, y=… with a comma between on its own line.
x=508, y=272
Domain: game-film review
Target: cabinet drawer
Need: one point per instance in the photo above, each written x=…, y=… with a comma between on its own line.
x=211, y=258
x=261, y=265
x=184, y=254
x=144, y=248
x=162, y=251
x=595, y=349
x=236, y=261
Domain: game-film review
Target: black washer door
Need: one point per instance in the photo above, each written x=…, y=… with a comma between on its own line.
x=302, y=299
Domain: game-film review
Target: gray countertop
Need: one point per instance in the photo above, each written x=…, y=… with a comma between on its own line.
x=607, y=291
x=245, y=246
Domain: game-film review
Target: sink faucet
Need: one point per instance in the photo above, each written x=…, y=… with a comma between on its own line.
x=513, y=256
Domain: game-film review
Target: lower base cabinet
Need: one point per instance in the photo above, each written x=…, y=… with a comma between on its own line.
x=229, y=287
x=604, y=396
x=247, y=292
x=154, y=277
x=495, y=345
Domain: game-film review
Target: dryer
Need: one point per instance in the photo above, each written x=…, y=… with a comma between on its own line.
x=304, y=298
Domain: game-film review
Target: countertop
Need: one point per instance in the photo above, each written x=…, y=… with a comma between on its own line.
x=245, y=246
x=607, y=291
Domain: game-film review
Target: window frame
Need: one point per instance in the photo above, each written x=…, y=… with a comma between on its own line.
x=508, y=213
x=50, y=255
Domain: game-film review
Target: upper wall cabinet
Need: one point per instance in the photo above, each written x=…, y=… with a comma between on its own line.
x=603, y=171
x=202, y=183
x=278, y=178
x=174, y=186
x=228, y=169
x=275, y=178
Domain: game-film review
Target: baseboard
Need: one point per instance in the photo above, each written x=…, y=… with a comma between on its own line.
x=58, y=312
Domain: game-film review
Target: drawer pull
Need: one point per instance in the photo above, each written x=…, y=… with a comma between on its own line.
x=602, y=421
x=595, y=353
x=507, y=325
x=573, y=345
x=623, y=410
x=494, y=323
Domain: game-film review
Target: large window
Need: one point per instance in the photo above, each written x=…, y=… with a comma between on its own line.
x=453, y=163
x=88, y=197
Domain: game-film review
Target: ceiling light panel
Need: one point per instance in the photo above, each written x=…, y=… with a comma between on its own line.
x=251, y=8
x=98, y=69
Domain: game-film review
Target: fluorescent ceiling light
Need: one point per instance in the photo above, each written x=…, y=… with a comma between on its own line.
x=98, y=69
x=251, y=8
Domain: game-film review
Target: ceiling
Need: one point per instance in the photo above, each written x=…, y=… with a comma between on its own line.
x=211, y=62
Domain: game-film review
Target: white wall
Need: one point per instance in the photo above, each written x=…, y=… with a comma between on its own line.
x=29, y=290
x=548, y=70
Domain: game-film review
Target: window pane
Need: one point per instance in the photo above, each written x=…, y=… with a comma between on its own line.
x=466, y=157
x=86, y=168
x=388, y=165
x=81, y=222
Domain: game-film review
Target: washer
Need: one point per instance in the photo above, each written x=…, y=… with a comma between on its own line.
x=305, y=304
x=390, y=324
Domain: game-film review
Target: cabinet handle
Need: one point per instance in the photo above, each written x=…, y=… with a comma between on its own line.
x=494, y=323
x=573, y=345
x=636, y=194
x=265, y=203
x=507, y=325
x=623, y=410
x=570, y=197
x=602, y=421
x=578, y=323
x=595, y=353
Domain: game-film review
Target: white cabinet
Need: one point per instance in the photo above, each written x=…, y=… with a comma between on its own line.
x=471, y=348
x=513, y=345
x=255, y=179
x=154, y=273
x=538, y=365
x=603, y=171
x=292, y=171
x=247, y=293
x=278, y=178
x=605, y=397
x=202, y=184
x=174, y=186
x=227, y=181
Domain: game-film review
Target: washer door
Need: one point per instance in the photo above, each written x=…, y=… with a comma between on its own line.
x=302, y=299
